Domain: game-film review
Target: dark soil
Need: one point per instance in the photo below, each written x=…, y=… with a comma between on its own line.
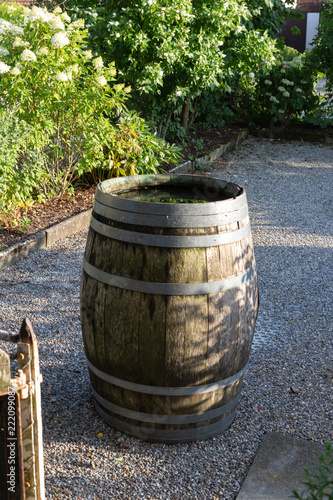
x=197, y=143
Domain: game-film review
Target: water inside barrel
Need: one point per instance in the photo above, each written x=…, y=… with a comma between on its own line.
x=175, y=194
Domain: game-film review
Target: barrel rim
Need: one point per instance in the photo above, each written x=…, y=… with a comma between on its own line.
x=106, y=193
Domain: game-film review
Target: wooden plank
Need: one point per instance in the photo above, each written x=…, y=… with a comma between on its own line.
x=4, y=372
x=31, y=413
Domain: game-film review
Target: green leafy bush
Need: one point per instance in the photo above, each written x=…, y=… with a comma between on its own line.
x=174, y=55
x=284, y=91
x=75, y=109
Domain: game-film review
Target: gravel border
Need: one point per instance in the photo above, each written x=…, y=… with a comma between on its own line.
x=290, y=201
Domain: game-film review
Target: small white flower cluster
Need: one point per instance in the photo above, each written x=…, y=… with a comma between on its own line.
x=63, y=77
x=87, y=54
x=27, y=55
x=286, y=94
x=300, y=91
x=281, y=111
x=7, y=27
x=98, y=63
x=4, y=68
x=56, y=23
x=3, y=51
x=268, y=82
x=78, y=24
x=18, y=42
x=16, y=70
x=287, y=82
x=274, y=99
x=281, y=89
x=43, y=51
x=101, y=80
x=60, y=40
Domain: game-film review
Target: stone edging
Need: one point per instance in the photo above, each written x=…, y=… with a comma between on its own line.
x=44, y=239
x=75, y=223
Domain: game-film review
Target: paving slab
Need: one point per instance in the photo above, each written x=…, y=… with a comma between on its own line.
x=278, y=467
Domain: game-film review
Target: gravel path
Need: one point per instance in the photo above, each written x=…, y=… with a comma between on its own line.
x=289, y=188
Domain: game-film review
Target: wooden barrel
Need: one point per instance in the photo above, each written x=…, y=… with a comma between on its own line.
x=169, y=301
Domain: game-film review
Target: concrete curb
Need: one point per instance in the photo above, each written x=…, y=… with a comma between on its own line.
x=44, y=239
x=76, y=223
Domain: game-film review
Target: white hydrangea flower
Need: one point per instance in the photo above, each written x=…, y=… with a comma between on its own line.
x=65, y=17
x=219, y=43
x=274, y=99
x=16, y=30
x=303, y=81
x=75, y=68
x=286, y=94
x=4, y=68
x=61, y=77
x=160, y=73
x=37, y=14
x=101, y=80
x=57, y=10
x=98, y=62
x=281, y=89
x=281, y=111
x=178, y=93
x=7, y=27
x=59, y=40
x=43, y=51
x=268, y=82
x=15, y=71
x=299, y=90
x=78, y=24
x=283, y=70
x=18, y=42
x=251, y=75
x=4, y=26
x=28, y=55
x=3, y=51
x=87, y=54
x=56, y=23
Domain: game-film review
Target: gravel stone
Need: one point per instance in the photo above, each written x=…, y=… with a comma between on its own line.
x=289, y=190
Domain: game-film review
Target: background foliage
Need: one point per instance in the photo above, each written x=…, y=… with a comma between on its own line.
x=176, y=55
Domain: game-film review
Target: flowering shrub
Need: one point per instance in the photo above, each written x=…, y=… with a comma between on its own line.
x=284, y=91
x=173, y=53
x=70, y=100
